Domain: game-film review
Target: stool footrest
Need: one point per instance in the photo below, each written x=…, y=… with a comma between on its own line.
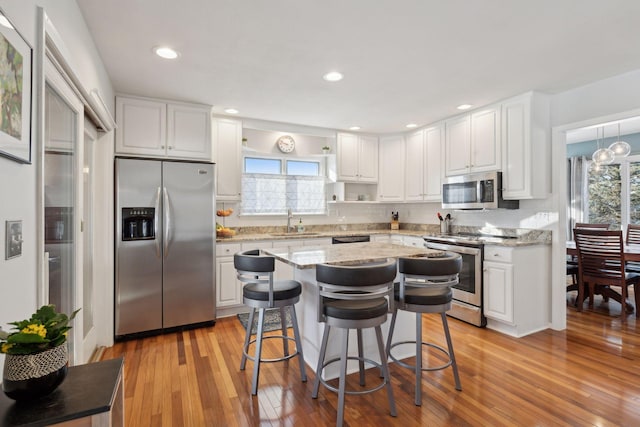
x=363, y=359
x=279, y=359
x=427, y=344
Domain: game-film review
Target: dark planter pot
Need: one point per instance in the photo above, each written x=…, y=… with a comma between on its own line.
x=30, y=376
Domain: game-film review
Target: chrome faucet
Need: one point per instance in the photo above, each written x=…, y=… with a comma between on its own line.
x=289, y=216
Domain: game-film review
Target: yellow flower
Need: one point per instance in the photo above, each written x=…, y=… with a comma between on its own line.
x=35, y=329
x=5, y=347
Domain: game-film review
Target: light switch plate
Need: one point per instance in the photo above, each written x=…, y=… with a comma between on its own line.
x=13, y=239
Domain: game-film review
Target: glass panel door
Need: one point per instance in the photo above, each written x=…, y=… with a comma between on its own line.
x=62, y=201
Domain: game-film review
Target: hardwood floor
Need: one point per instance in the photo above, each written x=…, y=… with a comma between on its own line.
x=586, y=375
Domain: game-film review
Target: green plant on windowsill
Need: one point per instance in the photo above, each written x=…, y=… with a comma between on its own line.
x=46, y=329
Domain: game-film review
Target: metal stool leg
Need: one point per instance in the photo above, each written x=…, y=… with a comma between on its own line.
x=247, y=338
x=323, y=350
x=385, y=371
x=283, y=326
x=418, y=398
x=392, y=326
x=360, y=355
x=343, y=376
x=296, y=336
x=454, y=365
x=258, y=354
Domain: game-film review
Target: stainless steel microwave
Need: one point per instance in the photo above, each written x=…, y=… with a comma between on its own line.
x=475, y=191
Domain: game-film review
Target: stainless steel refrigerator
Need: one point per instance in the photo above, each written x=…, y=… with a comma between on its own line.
x=165, y=245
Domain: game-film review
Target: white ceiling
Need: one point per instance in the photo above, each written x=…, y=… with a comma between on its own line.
x=404, y=61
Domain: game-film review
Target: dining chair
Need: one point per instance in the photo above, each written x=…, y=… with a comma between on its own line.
x=572, y=262
x=601, y=264
x=633, y=238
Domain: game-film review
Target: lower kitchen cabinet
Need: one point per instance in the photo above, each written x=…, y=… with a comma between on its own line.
x=228, y=288
x=516, y=286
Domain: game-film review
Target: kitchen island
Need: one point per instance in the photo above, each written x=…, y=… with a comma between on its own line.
x=304, y=260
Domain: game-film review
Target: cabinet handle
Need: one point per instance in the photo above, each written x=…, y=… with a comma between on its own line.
x=170, y=148
x=162, y=146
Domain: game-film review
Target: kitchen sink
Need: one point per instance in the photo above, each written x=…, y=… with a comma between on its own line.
x=293, y=234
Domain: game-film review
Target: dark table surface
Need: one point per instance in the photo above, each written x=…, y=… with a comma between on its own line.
x=87, y=390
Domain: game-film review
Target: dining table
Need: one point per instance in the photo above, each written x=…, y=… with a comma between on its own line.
x=631, y=253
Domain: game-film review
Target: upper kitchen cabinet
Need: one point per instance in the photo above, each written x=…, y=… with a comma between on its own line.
x=424, y=161
x=391, y=176
x=227, y=154
x=473, y=142
x=525, y=146
x=155, y=128
x=357, y=158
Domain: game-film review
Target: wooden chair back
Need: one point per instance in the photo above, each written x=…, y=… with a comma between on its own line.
x=594, y=226
x=600, y=256
x=633, y=234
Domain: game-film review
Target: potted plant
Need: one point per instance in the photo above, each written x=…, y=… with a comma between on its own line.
x=35, y=354
x=326, y=149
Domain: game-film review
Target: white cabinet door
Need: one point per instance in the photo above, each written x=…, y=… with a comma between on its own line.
x=189, y=131
x=392, y=169
x=498, y=290
x=485, y=140
x=525, y=146
x=433, y=161
x=357, y=158
x=417, y=242
x=384, y=238
x=227, y=142
x=142, y=126
x=414, y=167
x=347, y=157
x=458, y=145
x=228, y=287
x=368, y=159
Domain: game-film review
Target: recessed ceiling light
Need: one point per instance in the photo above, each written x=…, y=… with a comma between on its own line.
x=165, y=52
x=464, y=106
x=231, y=111
x=412, y=125
x=354, y=128
x=333, y=76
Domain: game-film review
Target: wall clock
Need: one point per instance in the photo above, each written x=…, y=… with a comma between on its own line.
x=286, y=144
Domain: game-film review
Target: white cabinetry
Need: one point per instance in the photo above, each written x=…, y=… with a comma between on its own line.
x=157, y=128
x=228, y=287
x=392, y=169
x=227, y=154
x=473, y=142
x=516, y=288
x=525, y=146
x=357, y=158
x=424, y=161
x=417, y=242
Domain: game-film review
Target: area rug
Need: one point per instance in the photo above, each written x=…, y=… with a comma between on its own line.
x=271, y=320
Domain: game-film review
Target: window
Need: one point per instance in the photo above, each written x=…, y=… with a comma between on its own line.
x=613, y=193
x=270, y=186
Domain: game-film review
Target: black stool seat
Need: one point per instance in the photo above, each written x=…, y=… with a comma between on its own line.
x=424, y=296
x=356, y=309
x=282, y=290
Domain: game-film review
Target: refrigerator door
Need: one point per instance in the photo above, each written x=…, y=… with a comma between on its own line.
x=189, y=242
x=138, y=262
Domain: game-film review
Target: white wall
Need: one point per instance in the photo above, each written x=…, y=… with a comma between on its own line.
x=18, y=183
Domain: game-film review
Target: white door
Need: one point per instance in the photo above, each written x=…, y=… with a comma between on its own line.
x=63, y=207
x=89, y=307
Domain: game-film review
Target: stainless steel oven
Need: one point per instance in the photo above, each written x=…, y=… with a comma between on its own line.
x=467, y=294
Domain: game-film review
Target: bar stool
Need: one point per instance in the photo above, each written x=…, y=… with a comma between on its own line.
x=353, y=297
x=425, y=287
x=260, y=292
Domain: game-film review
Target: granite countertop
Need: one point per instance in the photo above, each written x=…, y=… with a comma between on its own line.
x=499, y=237
x=308, y=256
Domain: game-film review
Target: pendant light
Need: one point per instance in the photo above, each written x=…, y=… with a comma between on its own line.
x=620, y=148
x=602, y=156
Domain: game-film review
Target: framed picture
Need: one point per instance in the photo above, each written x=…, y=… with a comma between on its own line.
x=15, y=93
